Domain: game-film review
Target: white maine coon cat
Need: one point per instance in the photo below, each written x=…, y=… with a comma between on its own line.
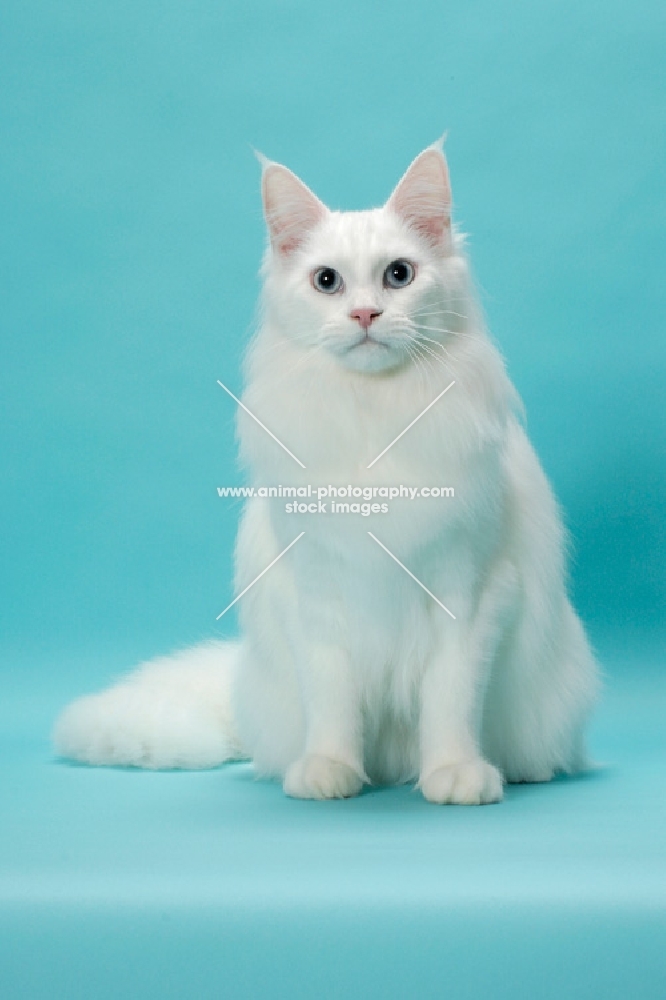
x=349, y=671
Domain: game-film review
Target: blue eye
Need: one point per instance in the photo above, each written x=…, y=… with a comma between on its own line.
x=399, y=274
x=327, y=279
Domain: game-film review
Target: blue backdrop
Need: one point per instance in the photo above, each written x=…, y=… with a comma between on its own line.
x=131, y=235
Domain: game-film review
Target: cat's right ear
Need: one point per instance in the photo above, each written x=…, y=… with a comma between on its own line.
x=423, y=197
x=291, y=209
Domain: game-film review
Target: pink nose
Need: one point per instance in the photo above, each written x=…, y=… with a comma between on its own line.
x=365, y=316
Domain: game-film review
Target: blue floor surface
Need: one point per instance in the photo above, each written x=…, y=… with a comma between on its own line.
x=125, y=883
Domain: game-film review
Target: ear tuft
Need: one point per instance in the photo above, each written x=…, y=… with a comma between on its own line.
x=290, y=208
x=261, y=159
x=423, y=197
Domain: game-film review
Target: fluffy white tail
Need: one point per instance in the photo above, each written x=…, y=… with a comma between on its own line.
x=174, y=711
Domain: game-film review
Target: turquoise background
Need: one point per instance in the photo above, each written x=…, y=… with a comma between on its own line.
x=130, y=239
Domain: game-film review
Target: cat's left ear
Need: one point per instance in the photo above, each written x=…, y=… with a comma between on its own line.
x=422, y=198
x=291, y=209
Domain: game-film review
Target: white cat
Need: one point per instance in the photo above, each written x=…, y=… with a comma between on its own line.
x=349, y=671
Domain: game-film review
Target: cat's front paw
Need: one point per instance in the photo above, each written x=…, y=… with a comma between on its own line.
x=465, y=783
x=317, y=777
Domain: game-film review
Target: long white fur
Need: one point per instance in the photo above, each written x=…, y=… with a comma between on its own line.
x=348, y=672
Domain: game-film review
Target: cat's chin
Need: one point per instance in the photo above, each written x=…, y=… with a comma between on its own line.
x=373, y=357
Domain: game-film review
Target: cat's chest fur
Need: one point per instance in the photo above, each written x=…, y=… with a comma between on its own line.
x=340, y=430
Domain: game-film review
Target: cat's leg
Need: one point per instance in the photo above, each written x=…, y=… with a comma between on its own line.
x=453, y=769
x=296, y=703
x=331, y=765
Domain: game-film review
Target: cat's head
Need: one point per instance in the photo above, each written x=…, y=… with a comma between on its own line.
x=375, y=289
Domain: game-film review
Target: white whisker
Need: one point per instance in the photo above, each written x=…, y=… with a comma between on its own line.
x=439, y=308
x=419, y=364
x=433, y=354
x=458, y=334
x=437, y=312
x=428, y=352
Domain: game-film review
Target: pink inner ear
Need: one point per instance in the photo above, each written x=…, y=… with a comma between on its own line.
x=290, y=208
x=423, y=198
